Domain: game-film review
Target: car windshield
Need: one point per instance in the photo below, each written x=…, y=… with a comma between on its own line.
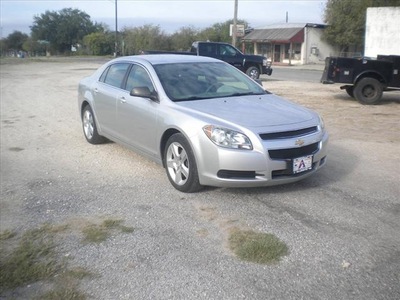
x=204, y=80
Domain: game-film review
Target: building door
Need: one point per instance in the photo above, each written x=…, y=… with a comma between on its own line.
x=277, y=53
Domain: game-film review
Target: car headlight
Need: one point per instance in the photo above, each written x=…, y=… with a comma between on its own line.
x=227, y=138
x=266, y=62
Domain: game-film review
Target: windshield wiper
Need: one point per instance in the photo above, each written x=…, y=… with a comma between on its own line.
x=246, y=94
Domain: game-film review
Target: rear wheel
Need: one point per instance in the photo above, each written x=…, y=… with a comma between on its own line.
x=253, y=72
x=89, y=127
x=181, y=165
x=368, y=91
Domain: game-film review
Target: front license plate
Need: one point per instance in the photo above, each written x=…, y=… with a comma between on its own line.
x=302, y=164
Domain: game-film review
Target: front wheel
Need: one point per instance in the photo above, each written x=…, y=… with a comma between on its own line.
x=253, y=72
x=181, y=165
x=368, y=91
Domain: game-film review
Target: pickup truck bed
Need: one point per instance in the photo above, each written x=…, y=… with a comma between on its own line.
x=365, y=78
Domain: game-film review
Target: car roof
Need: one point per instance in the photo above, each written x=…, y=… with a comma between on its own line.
x=156, y=59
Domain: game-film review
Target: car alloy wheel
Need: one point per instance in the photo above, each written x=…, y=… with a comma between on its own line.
x=88, y=124
x=89, y=127
x=178, y=163
x=181, y=165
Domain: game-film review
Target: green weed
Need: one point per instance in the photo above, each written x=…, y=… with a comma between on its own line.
x=32, y=260
x=262, y=248
x=99, y=233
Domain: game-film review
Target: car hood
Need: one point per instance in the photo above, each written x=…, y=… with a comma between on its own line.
x=252, y=111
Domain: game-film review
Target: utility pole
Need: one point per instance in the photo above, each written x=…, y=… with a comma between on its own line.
x=234, y=29
x=116, y=30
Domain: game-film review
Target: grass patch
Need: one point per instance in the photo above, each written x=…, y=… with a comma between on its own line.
x=110, y=223
x=126, y=229
x=31, y=257
x=78, y=273
x=99, y=233
x=262, y=248
x=70, y=293
x=7, y=234
x=32, y=260
x=66, y=286
x=95, y=234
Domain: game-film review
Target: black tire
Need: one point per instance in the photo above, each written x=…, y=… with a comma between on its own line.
x=89, y=127
x=350, y=91
x=368, y=91
x=253, y=72
x=180, y=164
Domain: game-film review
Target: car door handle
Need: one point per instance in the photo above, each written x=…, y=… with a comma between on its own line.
x=96, y=90
x=122, y=99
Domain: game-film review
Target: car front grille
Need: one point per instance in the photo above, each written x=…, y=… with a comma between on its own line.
x=288, y=134
x=293, y=152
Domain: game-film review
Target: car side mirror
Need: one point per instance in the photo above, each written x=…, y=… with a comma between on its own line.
x=144, y=92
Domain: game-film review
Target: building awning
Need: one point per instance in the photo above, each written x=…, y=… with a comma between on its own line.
x=284, y=33
x=277, y=35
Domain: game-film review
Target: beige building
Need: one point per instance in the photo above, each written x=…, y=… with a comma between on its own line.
x=290, y=43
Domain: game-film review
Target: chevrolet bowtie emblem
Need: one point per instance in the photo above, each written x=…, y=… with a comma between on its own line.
x=299, y=142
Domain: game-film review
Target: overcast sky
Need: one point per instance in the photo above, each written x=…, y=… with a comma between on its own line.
x=170, y=15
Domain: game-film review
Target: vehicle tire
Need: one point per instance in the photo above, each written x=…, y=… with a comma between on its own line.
x=368, y=91
x=89, y=127
x=350, y=91
x=180, y=164
x=253, y=72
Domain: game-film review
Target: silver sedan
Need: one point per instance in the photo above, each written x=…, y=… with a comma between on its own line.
x=206, y=122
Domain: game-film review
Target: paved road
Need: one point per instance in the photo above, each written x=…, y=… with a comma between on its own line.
x=342, y=226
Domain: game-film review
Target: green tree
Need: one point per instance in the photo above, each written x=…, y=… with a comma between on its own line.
x=63, y=28
x=219, y=32
x=15, y=41
x=346, y=21
x=146, y=37
x=99, y=43
x=34, y=48
x=150, y=37
x=183, y=38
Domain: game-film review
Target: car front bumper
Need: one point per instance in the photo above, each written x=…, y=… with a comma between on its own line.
x=267, y=70
x=223, y=167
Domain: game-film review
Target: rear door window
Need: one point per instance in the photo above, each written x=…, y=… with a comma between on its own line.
x=114, y=75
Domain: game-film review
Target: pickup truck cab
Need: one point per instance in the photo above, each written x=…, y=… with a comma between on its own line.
x=365, y=78
x=252, y=65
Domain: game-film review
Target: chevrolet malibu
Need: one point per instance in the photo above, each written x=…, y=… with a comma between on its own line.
x=204, y=121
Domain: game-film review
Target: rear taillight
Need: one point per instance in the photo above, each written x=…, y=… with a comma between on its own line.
x=335, y=70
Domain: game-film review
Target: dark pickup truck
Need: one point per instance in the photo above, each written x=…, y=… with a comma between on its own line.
x=252, y=65
x=365, y=78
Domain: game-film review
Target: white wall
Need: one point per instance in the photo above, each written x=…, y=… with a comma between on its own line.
x=382, y=34
x=314, y=50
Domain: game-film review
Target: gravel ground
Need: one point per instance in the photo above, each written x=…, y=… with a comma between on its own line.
x=342, y=226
